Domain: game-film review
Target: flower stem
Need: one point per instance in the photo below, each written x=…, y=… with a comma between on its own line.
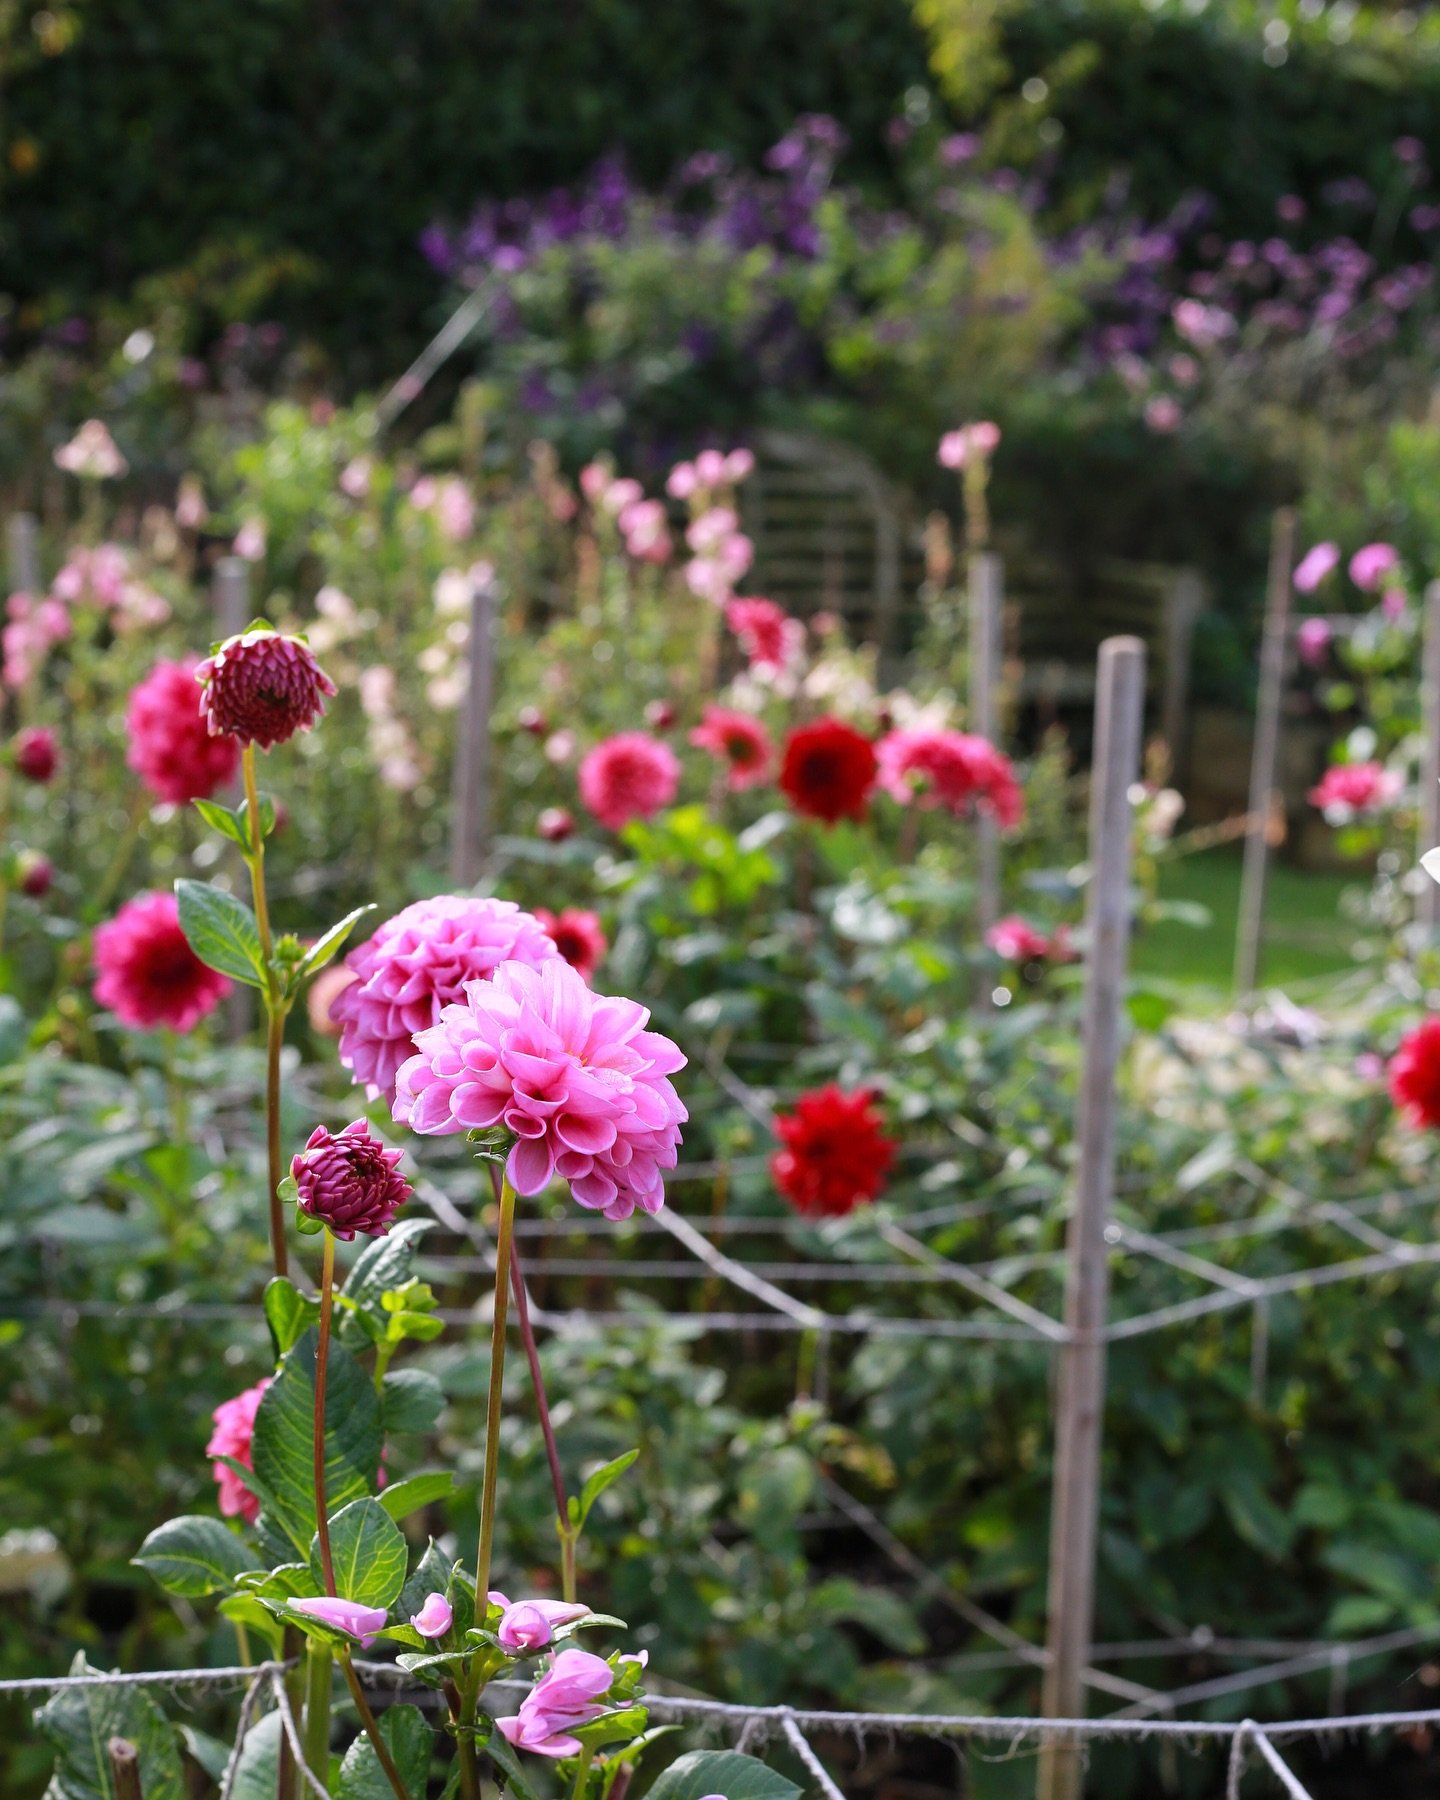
x=274, y=1011
x=503, y=1241
x=582, y=1775
x=372, y=1730
x=322, y=1360
x=317, y=1709
x=547, y=1429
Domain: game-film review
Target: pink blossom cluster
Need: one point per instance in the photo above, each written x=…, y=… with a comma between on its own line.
x=102, y=577
x=980, y=440
x=773, y=642
x=643, y=523
x=32, y=629
x=567, y=1695
x=575, y=1077
x=448, y=502
x=720, y=554
x=92, y=453
x=1350, y=791
x=955, y=770
x=711, y=471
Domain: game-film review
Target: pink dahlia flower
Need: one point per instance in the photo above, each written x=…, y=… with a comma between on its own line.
x=1314, y=566
x=578, y=935
x=435, y=1617
x=574, y=1075
x=566, y=1696
x=171, y=748
x=1350, y=790
x=531, y=1624
x=629, y=776
x=771, y=640
x=1371, y=564
x=262, y=687
x=1017, y=941
x=146, y=972
x=1313, y=640
x=417, y=963
x=956, y=770
x=350, y=1182
x=234, y=1428
x=363, y=1622
x=738, y=740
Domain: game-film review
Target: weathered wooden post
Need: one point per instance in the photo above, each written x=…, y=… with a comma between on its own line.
x=230, y=595
x=470, y=813
x=124, y=1760
x=1080, y=1395
x=1427, y=903
x=1184, y=603
x=987, y=579
x=22, y=554
x=1274, y=660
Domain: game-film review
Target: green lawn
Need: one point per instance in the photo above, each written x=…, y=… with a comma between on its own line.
x=1305, y=935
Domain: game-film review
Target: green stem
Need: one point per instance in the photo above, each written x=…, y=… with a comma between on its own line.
x=465, y=1743
x=287, y=1780
x=582, y=1775
x=274, y=1011
x=503, y=1240
x=547, y=1429
x=372, y=1730
x=317, y=1709
x=322, y=1361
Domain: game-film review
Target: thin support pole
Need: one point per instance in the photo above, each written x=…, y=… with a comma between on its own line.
x=1080, y=1399
x=986, y=591
x=1427, y=905
x=470, y=817
x=230, y=595
x=22, y=554
x=1183, y=605
x=1274, y=659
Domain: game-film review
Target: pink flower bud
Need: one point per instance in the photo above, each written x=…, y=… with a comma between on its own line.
x=531, y=1624
x=34, y=872
x=350, y=1182
x=37, y=753
x=363, y=1622
x=262, y=687
x=435, y=1617
x=555, y=824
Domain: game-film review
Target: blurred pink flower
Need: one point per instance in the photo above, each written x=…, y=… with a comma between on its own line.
x=578, y=935
x=146, y=972
x=171, y=748
x=954, y=770
x=1314, y=566
x=1371, y=564
x=629, y=776
x=574, y=1075
x=555, y=824
x=772, y=641
x=91, y=453
x=1393, y=603
x=1350, y=790
x=355, y=477
x=234, y=1428
x=981, y=439
x=1018, y=941
x=738, y=740
x=250, y=540
x=1313, y=640
x=682, y=481
x=1162, y=413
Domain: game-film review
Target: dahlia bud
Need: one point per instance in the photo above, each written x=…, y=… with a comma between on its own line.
x=531, y=719
x=37, y=753
x=262, y=687
x=660, y=715
x=349, y=1182
x=34, y=873
x=555, y=824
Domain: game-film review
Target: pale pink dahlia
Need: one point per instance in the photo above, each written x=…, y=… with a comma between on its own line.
x=955, y=770
x=171, y=748
x=574, y=1075
x=417, y=963
x=629, y=776
x=234, y=1428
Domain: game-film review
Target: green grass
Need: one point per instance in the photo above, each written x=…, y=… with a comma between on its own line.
x=1305, y=934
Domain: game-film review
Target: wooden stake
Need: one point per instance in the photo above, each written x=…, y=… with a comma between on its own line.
x=124, y=1769
x=1183, y=606
x=1274, y=660
x=22, y=554
x=1080, y=1398
x=230, y=595
x=1427, y=904
x=470, y=816
x=987, y=585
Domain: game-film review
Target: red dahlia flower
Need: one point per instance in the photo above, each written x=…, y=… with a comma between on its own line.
x=738, y=740
x=146, y=972
x=577, y=935
x=828, y=770
x=1415, y=1075
x=835, y=1155
x=171, y=748
x=262, y=687
x=37, y=753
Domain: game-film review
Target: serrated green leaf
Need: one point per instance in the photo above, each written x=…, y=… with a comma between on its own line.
x=79, y=1723
x=401, y=1498
x=596, y=1484
x=288, y=1312
x=221, y=930
x=727, y=1772
x=367, y=1552
x=194, y=1556
x=282, y=1447
x=411, y=1400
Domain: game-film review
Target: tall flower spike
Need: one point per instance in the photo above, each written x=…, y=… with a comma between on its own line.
x=350, y=1182
x=262, y=687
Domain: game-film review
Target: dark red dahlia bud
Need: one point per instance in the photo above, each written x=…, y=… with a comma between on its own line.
x=660, y=715
x=37, y=753
x=262, y=687
x=555, y=824
x=34, y=873
x=350, y=1182
x=531, y=719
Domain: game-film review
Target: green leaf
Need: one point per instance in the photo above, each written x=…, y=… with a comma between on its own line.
x=596, y=1484
x=258, y=1774
x=410, y=1742
x=282, y=1447
x=726, y=1772
x=267, y=818
x=79, y=1722
x=221, y=930
x=504, y=1758
x=401, y=1498
x=326, y=946
x=288, y=1312
x=194, y=1556
x=245, y=1610
x=615, y=1728
x=384, y=1264
x=431, y=1576
x=368, y=1553
x=411, y=1400
x=222, y=819
x=209, y=1752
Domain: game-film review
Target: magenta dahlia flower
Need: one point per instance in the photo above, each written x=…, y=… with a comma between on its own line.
x=418, y=962
x=574, y=1075
x=262, y=687
x=146, y=972
x=350, y=1182
x=738, y=740
x=37, y=754
x=234, y=1429
x=629, y=776
x=956, y=770
x=171, y=748
x=578, y=935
